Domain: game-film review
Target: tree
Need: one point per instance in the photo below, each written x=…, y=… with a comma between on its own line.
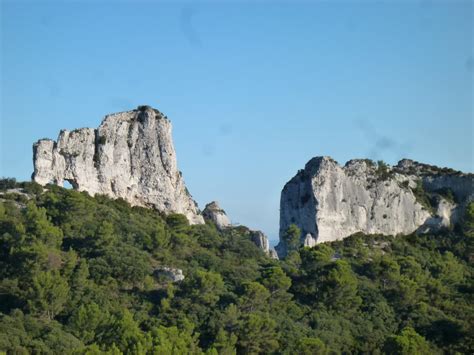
x=291, y=237
x=104, y=236
x=339, y=287
x=468, y=230
x=311, y=346
x=258, y=334
x=314, y=259
x=124, y=332
x=224, y=343
x=174, y=341
x=204, y=287
x=48, y=294
x=39, y=226
x=255, y=297
x=275, y=279
x=382, y=170
x=177, y=222
x=407, y=343
x=87, y=320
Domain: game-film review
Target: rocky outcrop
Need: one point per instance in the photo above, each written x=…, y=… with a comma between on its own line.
x=169, y=273
x=131, y=156
x=273, y=254
x=329, y=202
x=260, y=240
x=214, y=213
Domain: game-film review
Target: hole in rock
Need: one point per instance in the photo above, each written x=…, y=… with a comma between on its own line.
x=67, y=185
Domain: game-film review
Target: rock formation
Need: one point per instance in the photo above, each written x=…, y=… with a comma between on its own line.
x=169, y=273
x=131, y=156
x=214, y=213
x=329, y=202
x=260, y=240
x=273, y=254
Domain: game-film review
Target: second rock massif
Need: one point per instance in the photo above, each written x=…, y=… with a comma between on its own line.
x=329, y=202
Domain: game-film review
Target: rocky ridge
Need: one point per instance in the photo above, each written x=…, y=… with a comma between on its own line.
x=130, y=156
x=329, y=202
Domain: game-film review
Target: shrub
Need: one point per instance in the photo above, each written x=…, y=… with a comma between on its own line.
x=32, y=188
x=382, y=170
x=422, y=197
x=102, y=140
x=143, y=108
x=7, y=183
x=447, y=194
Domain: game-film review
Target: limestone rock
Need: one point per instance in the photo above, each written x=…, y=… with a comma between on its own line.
x=131, y=156
x=261, y=240
x=329, y=202
x=169, y=273
x=309, y=241
x=217, y=215
x=273, y=254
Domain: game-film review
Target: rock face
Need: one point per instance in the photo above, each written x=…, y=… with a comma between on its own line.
x=260, y=240
x=217, y=215
x=329, y=202
x=131, y=156
x=169, y=273
x=214, y=213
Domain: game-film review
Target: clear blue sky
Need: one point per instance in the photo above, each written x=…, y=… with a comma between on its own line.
x=254, y=90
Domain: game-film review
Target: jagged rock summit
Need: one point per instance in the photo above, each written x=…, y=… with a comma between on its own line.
x=217, y=215
x=329, y=202
x=131, y=156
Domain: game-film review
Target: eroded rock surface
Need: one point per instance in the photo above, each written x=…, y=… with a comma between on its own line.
x=131, y=156
x=261, y=240
x=329, y=202
x=217, y=215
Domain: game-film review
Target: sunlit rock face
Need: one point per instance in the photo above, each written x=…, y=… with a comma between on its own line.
x=214, y=213
x=131, y=156
x=261, y=240
x=330, y=202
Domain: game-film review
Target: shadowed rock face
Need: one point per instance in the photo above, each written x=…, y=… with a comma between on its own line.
x=329, y=202
x=260, y=240
x=131, y=156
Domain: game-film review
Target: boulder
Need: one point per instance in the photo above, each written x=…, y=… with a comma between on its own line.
x=214, y=213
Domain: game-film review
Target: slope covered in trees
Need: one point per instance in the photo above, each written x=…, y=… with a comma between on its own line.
x=78, y=275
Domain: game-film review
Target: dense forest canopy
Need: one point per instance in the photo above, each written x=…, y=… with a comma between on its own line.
x=78, y=274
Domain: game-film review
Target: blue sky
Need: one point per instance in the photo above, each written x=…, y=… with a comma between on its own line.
x=254, y=89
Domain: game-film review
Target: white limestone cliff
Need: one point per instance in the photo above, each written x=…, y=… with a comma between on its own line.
x=130, y=156
x=329, y=202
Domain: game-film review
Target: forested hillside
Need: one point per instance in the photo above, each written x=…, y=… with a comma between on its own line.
x=81, y=275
